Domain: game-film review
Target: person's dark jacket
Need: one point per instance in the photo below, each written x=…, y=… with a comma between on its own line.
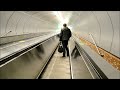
x=65, y=34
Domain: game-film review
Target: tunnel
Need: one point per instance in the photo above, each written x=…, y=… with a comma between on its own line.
x=29, y=40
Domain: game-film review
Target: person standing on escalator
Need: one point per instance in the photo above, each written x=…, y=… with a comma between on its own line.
x=65, y=35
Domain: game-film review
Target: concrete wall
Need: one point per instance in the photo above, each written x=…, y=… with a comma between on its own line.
x=103, y=25
x=22, y=26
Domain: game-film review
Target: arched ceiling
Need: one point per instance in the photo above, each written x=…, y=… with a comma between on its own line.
x=103, y=25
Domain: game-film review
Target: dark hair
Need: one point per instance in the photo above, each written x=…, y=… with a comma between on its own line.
x=64, y=24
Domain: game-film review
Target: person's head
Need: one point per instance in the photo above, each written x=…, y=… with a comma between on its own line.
x=65, y=25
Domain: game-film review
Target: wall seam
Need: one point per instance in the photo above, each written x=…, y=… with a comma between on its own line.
x=119, y=33
x=99, y=27
x=8, y=21
x=112, y=30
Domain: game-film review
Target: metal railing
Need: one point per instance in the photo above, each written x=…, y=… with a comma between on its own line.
x=6, y=34
x=95, y=45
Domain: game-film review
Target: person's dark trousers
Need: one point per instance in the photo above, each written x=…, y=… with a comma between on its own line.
x=65, y=43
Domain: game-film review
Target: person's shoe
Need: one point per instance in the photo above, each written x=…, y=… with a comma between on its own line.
x=63, y=56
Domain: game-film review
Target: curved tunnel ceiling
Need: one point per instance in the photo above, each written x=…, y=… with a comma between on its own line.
x=103, y=25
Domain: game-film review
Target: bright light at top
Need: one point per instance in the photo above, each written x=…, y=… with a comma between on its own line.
x=60, y=17
x=70, y=27
x=62, y=20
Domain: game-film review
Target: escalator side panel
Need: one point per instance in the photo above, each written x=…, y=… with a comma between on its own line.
x=79, y=69
x=29, y=65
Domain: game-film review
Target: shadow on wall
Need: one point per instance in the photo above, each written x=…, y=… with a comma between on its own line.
x=40, y=51
x=75, y=53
